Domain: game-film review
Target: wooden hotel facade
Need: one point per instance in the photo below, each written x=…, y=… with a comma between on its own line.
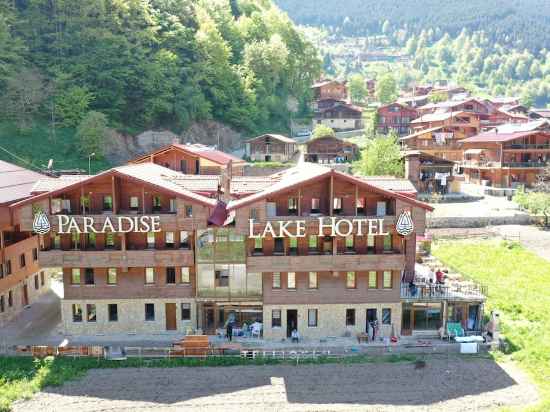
x=207, y=263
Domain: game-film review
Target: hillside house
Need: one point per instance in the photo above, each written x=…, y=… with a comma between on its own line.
x=395, y=117
x=330, y=149
x=340, y=117
x=271, y=147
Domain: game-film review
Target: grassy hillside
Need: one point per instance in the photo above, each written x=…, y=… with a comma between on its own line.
x=519, y=290
x=38, y=146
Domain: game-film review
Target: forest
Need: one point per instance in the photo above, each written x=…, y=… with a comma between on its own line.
x=134, y=64
x=522, y=24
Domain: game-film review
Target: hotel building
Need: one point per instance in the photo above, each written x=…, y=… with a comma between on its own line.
x=21, y=280
x=145, y=248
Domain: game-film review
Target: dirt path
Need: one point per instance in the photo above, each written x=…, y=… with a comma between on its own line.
x=455, y=384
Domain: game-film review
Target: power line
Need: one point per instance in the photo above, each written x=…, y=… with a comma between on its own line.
x=21, y=159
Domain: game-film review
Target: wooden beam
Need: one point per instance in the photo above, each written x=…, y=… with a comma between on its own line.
x=300, y=201
x=356, y=198
x=114, y=194
x=331, y=194
x=143, y=199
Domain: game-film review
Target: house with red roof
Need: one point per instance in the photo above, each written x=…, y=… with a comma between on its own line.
x=508, y=155
x=395, y=117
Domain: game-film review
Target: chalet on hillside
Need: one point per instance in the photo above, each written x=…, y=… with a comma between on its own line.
x=271, y=147
x=330, y=89
x=508, y=155
x=330, y=149
x=194, y=159
x=340, y=117
x=428, y=173
x=395, y=117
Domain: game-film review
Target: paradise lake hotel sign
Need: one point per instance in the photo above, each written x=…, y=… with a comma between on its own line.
x=120, y=224
x=338, y=227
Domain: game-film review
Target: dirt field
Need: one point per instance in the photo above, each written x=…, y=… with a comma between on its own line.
x=443, y=385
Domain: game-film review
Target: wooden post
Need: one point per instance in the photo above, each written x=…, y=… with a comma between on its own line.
x=331, y=198
x=114, y=194
x=356, y=198
x=300, y=201
x=82, y=208
x=143, y=199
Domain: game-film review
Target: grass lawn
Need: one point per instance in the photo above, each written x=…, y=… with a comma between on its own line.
x=519, y=288
x=21, y=377
x=38, y=146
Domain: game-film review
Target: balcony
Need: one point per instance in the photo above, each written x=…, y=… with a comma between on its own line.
x=438, y=293
x=321, y=263
x=518, y=146
x=538, y=165
x=116, y=258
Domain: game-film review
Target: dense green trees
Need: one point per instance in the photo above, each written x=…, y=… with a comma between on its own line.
x=158, y=62
x=381, y=157
x=386, y=89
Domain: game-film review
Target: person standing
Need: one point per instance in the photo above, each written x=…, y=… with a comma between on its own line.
x=229, y=331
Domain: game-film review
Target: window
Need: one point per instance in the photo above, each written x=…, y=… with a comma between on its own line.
x=173, y=206
x=91, y=315
x=337, y=205
x=276, y=280
x=253, y=213
x=312, y=318
x=258, y=244
x=293, y=247
x=35, y=254
x=350, y=280
x=291, y=280
x=370, y=243
x=75, y=276
x=185, y=278
x=42, y=280
x=10, y=298
x=170, y=242
x=56, y=241
x=387, y=279
x=312, y=243
x=149, y=276
x=188, y=211
x=111, y=276
x=313, y=280
x=184, y=239
x=8, y=267
x=89, y=276
x=279, y=246
x=36, y=282
x=276, y=318
x=315, y=205
x=350, y=317
x=109, y=240
x=185, y=311
x=56, y=206
x=386, y=316
x=112, y=308
x=360, y=206
x=157, y=204
x=134, y=203
x=381, y=208
x=92, y=240
x=2, y=304
x=75, y=240
x=387, y=243
x=170, y=275
x=1, y=271
x=349, y=244
x=22, y=262
x=108, y=203
x=373, y=281
x=292, y=206
x=150, y=311
x=222, y=278
x=77, y=313
x=150, y=240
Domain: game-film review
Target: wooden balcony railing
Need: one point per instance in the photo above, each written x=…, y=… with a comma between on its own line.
x=436, y=293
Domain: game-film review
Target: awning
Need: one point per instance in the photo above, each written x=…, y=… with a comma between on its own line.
x=474, y=151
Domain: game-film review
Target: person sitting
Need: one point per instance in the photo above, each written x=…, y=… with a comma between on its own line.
x=295, y=336
x=412, y=289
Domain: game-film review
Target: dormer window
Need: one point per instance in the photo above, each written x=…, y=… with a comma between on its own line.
x=292, y=206
x=108, y=203
x=157, y=204
x=315, y=205
x=134, y=203
x=337, y=205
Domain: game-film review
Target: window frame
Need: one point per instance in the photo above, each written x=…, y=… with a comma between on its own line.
x=77, y=313
x=149, y=317
x=354, y=280
x=185, y=273
x=386, y=321
x=110, y=274
x=288, y=283
x=150, y=271
x=369, y=277
x=276, y=280
x=185, y=309
x=91, y=309
x=170, y=275
x=276, y=322
x=350, y=311
x=76, y=272
x=110, y=312
x=313, y=285
x=315, y=319
x=390, y=279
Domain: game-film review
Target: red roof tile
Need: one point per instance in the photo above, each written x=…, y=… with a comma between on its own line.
x=16, y=182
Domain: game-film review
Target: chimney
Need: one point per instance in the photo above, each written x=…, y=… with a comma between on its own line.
x=412, y=168
x=225, y=184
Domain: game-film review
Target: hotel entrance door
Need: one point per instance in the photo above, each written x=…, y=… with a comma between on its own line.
x=291, y=321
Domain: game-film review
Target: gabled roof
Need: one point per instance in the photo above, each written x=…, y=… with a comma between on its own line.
x=438, y=116
x=47, y=184
x=449, y=104
x=305, y=173
x=251, y=184
x=149, y=174
x=322, y=83
x=511, y=131
x=340, y=106
x=196, y=150
x=428, y=157
x=279, y=137
x=16, y=182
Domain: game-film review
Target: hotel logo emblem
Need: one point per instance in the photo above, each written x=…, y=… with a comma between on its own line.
x=404, y=225
x=41, y=224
